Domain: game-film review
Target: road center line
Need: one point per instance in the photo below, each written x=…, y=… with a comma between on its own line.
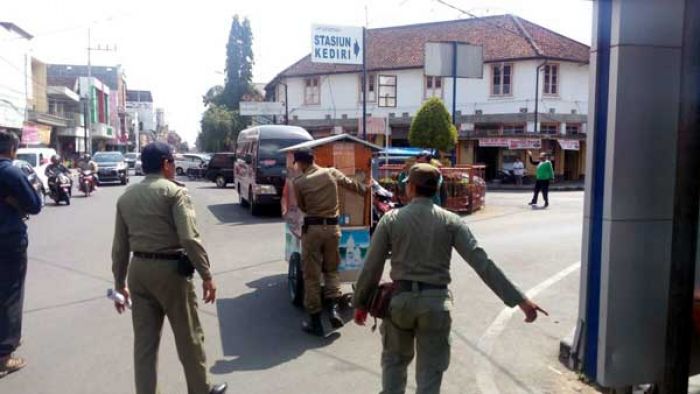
x=484, y=370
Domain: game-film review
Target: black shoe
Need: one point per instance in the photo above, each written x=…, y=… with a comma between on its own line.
x=546, y=204
x=313, y=326
x=334, y=315
x=532, y=203
x=218, y=389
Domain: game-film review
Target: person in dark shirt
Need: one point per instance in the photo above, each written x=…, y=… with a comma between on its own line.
x=56, y=167
x=17, y=199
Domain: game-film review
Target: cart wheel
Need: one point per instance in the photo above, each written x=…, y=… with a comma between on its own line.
x=346, y=301
x=295, y=281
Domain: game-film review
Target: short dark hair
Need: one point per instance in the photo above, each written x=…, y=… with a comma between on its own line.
x=8, y=141
x=424, y=191
x=153, y=155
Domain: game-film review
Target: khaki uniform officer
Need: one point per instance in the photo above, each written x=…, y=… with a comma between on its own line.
x=316, y=191
x=156, y=221
x=420, y=237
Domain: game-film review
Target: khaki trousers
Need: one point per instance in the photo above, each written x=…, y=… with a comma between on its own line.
x=320, y=257
x=419, y=323
x=158, y=291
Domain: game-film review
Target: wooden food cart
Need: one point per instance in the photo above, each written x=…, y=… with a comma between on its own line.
x=351, y=156
x=466, y=188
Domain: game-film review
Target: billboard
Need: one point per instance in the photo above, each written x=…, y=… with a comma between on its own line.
x=336, y=44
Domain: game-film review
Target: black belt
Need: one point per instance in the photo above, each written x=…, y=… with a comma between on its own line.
x=316, y=221
x=158, y=256
x=407, y=285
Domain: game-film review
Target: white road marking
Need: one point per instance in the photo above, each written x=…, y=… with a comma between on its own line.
x=484, y=370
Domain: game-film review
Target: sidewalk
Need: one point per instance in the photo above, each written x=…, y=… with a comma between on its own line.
x=562, y=186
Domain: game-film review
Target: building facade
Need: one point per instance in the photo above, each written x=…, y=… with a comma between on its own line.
x=495, y=115
x=139, y=105
x=15, y=76
x=107, y=102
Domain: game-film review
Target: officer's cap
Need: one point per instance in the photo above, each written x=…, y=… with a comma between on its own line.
x=153, y=155
x=304, y=155
x=424, y=175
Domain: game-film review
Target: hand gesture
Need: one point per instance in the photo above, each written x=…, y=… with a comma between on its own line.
x=529, y=153
x=530, y=310
x=209, y=289
x=121, y=306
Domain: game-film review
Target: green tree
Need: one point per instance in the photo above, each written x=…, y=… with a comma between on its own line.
x=213, y=96
x=432, y=128
x=239, y=63
x=219, y=129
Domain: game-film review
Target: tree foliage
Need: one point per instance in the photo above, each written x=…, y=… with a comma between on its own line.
x=219, y=129
x=432, y=128
x=221, y=122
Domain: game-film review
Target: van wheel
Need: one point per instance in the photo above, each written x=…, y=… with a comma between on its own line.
x=220, y=181
x=254, y=208
x=295, y=281
x=179, y=171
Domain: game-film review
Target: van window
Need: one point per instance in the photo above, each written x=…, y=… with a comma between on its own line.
x=28, y=157
x=269, y=152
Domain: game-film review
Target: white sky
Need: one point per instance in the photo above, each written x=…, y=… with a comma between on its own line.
x=177, y=49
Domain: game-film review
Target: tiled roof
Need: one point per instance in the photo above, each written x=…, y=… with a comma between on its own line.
x=139, y=95
x=504, y=37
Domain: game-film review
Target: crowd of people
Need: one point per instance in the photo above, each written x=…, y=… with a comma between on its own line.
x=157, y=249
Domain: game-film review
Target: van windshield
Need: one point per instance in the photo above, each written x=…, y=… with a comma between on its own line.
x=269, y=154
x=28, y=157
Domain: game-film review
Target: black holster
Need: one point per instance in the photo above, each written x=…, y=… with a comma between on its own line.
x=184, y=266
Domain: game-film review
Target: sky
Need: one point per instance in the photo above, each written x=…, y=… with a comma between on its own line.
x=178, y=49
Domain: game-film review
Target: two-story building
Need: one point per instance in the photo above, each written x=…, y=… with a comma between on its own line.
x=108, y=120
x=139, y=105
x=495, y=114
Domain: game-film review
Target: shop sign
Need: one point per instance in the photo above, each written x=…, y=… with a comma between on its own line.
x=375, y=125
x=569, y=144
x=30, y=135
x=494, y=142
x=526, y=143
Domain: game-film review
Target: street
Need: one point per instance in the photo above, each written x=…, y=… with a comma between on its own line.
x=75, y=342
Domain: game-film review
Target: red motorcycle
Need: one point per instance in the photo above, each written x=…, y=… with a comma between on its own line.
x=382, y=202
x=87, y=182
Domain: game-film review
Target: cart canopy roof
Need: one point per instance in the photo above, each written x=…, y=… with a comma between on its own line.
x=328, y=140
x=406, y=151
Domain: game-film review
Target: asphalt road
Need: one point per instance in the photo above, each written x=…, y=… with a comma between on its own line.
x=76, y=343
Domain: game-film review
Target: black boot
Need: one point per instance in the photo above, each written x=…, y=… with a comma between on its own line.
x=313, y=326
x=334, y=315
x=218, y=389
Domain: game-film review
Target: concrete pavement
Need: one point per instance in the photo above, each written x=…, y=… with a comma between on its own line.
x=76, y=343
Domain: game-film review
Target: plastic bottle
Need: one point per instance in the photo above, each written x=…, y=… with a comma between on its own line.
x=117, y=297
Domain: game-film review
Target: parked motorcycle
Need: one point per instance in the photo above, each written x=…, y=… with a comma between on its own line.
x=86, y=182
x=60, y=188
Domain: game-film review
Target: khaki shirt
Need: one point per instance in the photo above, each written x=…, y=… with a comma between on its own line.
x=156, y=216
x=88, y=165
x=316, y=191
x=420, y=237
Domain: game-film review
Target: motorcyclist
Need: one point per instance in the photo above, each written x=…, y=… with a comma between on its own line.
x=56, y=167
x=87, y=164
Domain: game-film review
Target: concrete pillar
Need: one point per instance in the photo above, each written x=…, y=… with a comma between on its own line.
x=630, y=177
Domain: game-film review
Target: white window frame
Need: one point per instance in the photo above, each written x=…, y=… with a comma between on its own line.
x=551, y=80
x=312, y=91
x=430, y=89
x=386, y=99
x=497, y=90
x=372, y=88
x=557, y=128
x=578, y=126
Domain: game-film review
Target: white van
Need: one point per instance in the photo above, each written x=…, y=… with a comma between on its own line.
x=39, y=158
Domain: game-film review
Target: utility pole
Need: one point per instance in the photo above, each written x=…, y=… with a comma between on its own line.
x=88, y=121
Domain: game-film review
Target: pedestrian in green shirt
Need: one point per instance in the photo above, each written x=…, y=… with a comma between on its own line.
x=420, y=237
x=544, y=174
